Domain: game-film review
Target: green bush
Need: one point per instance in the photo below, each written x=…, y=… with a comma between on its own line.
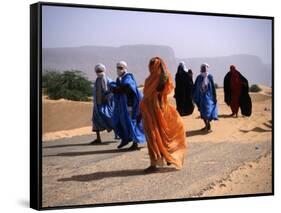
x=255, y=88
x=71, y=85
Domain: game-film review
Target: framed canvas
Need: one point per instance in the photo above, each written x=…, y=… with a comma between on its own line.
x=139, y=105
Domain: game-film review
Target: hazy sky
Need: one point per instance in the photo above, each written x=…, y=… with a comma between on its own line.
x=188, y=35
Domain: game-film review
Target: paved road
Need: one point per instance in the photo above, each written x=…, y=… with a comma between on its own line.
x=75, y=172
x=80, y=146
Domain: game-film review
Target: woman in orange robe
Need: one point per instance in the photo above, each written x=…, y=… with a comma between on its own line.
x=163, y=126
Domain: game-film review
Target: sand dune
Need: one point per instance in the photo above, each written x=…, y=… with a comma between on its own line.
x=64, y=115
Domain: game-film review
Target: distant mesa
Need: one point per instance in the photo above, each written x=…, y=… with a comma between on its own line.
x=84, y=58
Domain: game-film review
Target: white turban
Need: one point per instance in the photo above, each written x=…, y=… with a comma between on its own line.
x=100, y=67
x=205, y=65
x=122, y=64
x=205, y=74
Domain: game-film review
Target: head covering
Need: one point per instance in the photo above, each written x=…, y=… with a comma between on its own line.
x=232, y=68
x=182, y=63
x=182, y=67
x=123, y=65
x=100, y=70
x=205, y=73
x=100, y=83
x=157, y=69
x=204, y=67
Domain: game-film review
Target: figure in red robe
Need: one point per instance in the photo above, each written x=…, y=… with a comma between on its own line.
x=236, y=92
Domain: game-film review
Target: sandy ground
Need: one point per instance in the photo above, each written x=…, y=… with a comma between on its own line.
x=235, y=158
x=64, y=115
x=247, y=179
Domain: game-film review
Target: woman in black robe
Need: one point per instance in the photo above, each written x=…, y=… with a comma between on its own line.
x=184, y=91
x=236, y=92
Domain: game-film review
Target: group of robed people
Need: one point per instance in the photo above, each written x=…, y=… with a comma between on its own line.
x=137, y=118
x=203, y=93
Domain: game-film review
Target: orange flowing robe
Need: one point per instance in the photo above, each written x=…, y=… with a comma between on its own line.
x=163, y=126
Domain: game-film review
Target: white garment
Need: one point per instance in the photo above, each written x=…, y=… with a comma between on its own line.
x=100, y=74
x=205, y=81
x=204, y=74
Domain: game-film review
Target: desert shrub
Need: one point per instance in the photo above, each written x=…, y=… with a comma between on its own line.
x=255, y=88
x=49, y=77
x=71, y=85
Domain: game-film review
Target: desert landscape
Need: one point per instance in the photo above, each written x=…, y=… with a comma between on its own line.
x=235, y=158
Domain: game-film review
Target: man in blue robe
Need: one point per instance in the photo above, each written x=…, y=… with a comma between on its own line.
x=127, y=99
x=205, y=97
x=103, y=103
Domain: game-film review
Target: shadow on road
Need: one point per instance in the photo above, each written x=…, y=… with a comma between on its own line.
x=195, y=132
x=73, y=154
x=80, y=144
x=110, y=174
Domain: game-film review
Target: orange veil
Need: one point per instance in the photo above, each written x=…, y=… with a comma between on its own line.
x=163, y=126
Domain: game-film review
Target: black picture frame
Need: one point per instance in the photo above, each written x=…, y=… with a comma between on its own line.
x=36, y=102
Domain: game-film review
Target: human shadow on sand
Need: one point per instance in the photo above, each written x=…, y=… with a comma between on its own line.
x=111, y=174
x=81, y=144
x=225, y=116
x=196, y=132
x=256, y=129
x=270, y=121
x=73, y=154
x=268, y=125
